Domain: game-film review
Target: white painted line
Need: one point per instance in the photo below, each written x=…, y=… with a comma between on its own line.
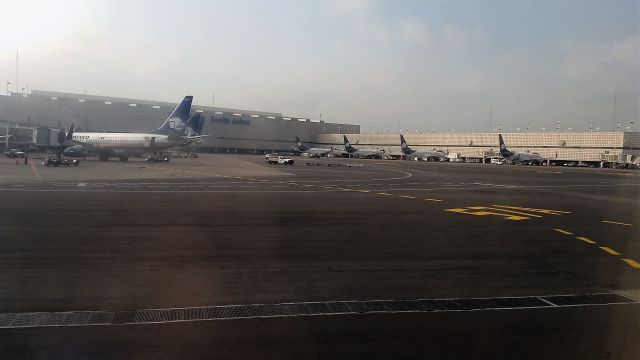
x=348, y=307
x=82, y=184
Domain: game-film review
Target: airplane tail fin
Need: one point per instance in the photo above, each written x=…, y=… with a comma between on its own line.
x=195, y=125
x=347, y=144
x=299, y=145
x=177, y=121
x=503, y=148
x=68, y=138
x=403, y=145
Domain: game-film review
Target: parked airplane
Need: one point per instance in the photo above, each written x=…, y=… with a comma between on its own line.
x=519, y=157
x=122, y=145
x=422, y=155
x=309, y=151
x=359, y=153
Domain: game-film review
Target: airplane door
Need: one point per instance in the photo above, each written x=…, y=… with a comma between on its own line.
x=149, y=141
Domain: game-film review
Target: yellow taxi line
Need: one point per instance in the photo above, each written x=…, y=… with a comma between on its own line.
x=634, y=264
x=616, y=223
x=407, y=196
x=563, y=231
x=610, y=250
x=383, y=193
x=587, y=240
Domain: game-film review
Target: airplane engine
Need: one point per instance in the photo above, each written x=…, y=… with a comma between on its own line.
x=74, y=151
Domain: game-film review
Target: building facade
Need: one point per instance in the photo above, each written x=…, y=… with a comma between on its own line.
x=570, y=146
x=233, y=130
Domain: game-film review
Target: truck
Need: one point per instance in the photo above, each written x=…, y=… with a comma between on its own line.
x=14, y=153
x=279, y=160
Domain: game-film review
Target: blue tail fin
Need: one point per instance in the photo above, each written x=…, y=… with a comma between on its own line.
x=177, y=121
x=404, y=146
x=195, y=125
x=299, y=145
x=347, y=144
x=69, y=137
x=503, y=148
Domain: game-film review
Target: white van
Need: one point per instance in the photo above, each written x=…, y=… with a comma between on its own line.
x=497, y=160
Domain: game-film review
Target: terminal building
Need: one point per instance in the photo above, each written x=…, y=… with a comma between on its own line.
x=40, y=114
x=554, y=146
x=231, y=130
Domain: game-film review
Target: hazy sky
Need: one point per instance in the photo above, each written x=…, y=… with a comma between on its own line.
x=413, y=65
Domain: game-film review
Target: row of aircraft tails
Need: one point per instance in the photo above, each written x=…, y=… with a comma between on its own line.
x=180, y=129
x=436, y=155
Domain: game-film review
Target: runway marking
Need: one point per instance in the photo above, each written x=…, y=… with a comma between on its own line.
x=514, y=212
x=362, y=191
x=610, y=250
x=563, y=231
x=543, y=211
x=475, y=210
x=82, y=184
x=550, y=172
x=632, y=263
x=125, y=190
x=587, y=240
x=429, y=199
x=407, y=196
x=385, y=194
x=616, y=223
x=296, y=309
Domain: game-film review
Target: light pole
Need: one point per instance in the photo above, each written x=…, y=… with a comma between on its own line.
x=8, y=83
x=213, y=99
x=631, y=125
x=557, y=127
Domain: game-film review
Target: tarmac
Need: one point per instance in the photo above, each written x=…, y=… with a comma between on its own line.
x=224, y=256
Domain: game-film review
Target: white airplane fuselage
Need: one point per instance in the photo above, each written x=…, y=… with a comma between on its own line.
x=127, y=141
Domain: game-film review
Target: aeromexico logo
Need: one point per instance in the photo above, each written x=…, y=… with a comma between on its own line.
x=404, y=145
x=299, y=144
x=503, y=147
x=176, y=123
x=347, y=144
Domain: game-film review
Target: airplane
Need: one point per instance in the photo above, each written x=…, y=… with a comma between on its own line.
x=313, y=152
x=359, y=153
x=424, y=155
x=519, y=157
x=122, y=145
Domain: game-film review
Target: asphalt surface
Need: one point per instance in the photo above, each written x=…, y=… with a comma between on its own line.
x=231, y=230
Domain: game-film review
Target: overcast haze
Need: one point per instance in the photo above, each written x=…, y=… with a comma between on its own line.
x=412, y=65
